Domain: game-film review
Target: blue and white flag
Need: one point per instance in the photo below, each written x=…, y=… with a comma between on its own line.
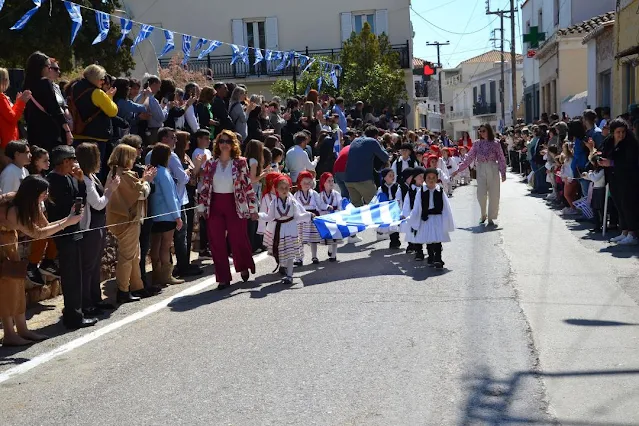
x=144, y=33
x=258, y=56
x=311, y=62
x=214, y=45
x=319, y=83
x=244, y=54
x=170, y=43
x=334, y=76
x=302, y=60
x=284, y=63
x=76, y=18
x=584, y=205
x=186, y=48
x=353, y=220
x=270, y=55
x=104, y=23
x=239, y=54
x=1, y=4
x=25, y=18
x=126, y=25
x=201, y=42
x=308, y=89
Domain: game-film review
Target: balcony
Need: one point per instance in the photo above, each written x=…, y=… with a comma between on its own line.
x=458, y=115
x=484, y=109
x=454, y=81
x=222, y=68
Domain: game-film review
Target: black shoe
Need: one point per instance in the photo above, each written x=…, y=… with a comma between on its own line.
x=222, y=286
x=50, y=268
x=92, y=312
x=190, y=271
x=438, y=264
x=430, y=261
x=298, y=263
x=205, y=253
x=332, y=259
x=245, y=276
x=287, y=281
x=315, y=261
x=79, y=322
x=105, y=306
x=153, y=289
x=419, y=256
x=410, y=249
x=126, y=297
x=34, y=275
x=142, y=294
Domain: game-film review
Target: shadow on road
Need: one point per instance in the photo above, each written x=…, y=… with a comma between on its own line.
x=491, y=400
x=597, y=323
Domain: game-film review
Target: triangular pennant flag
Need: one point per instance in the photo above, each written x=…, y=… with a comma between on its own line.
x=284, y=63
x=311, y=62
x=236, y=54
x=334, y=77
x=269, y=56
x=126, y=25
x=244, y=55
x=319, y=83
x=1, y=4
x=104, y=23
x=76, y=18
x=144, y=33
x=170, y=43
x=186, y=48
x=201, y=42
x=25, y=18
x=258, y=56
x=214, y=45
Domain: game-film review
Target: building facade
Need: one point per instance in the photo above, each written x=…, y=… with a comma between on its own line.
x=305, y=26
x=600, y=46
x=427, y=106
x=626, y=61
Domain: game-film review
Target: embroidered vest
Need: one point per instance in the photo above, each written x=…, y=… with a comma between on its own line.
x=438, y=203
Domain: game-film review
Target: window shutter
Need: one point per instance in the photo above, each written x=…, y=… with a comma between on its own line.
x=347, y=25
x=272, y=35
x=237, y=27
x=381, y=21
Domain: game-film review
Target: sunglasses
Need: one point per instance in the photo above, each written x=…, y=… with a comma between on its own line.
x=225, y=141
x=56, y=69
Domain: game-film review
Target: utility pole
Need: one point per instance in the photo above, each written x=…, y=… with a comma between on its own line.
x=439, y=77
x=513, y=64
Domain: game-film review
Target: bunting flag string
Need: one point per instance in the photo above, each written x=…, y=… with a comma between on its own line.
x=170, y=42
x=144, y=33
x=269, y=56
x=76, y=18
x=239, y=54
x=126, y=25
x=311, y=62
x=201, y=42
x=284, y=62
x=334, y=77
x=186, y=48
x=25, y=18
x=319, y=84
x=214, y=45
x=104, y=24
x=258, y=56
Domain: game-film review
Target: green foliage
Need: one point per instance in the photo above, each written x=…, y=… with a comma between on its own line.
x=371, y=70
x=283, y=87
x=52, y=35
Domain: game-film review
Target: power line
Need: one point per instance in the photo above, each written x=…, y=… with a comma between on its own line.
x=470, y=18
x=452, y=32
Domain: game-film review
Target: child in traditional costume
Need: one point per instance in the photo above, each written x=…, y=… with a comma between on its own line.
x=310, y=200
x=407, y=206
x=464, y=175
x=331, y=201
x=405, y=161
x=283, y=217
x=389, y=191
x=431, y=220
x=269, y=194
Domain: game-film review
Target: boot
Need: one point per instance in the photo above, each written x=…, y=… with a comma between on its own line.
x=419, y=252
x=438, y=263
x=431, y=255
x=156, y=274
x=167, y=275
x=126, y=297
x=395, y=243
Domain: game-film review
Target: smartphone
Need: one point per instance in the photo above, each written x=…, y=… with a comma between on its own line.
x=77, y=206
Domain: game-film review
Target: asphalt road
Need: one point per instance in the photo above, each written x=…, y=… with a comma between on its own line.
x=530, y=323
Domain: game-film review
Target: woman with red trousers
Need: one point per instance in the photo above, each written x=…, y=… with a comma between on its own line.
x=227, y=201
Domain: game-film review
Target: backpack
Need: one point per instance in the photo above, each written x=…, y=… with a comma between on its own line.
x=77, y=124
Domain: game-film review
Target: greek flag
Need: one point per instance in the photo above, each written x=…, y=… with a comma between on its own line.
x=144, y=33
x=214, y=45
x=319, y=83
x=186, y=48
x=284, y=63
x=170, y=42
x=201, y=42
x=311, y=62
x=104, y=23
x=270, y=55
x=126, y=25
x=352, y=220
x=239, y=54
x=334, y=77
x=258, y=56
x=76, y=18
x=583, y=205
x=25, y=18
x=1, y=4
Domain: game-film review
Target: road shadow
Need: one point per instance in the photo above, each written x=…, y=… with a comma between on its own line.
x=597, y=323
x=481, y=229
x=621, y=252
x=491, y=400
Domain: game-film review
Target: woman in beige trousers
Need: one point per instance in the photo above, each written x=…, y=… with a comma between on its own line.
x=491, y=163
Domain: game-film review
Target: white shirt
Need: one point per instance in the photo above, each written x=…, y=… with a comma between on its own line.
x=297, y=161
x=223, y=179
x=11, y=178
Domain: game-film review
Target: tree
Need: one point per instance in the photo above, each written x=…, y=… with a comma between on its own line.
x=283, y=87
x=372, y=73
x=52, y=35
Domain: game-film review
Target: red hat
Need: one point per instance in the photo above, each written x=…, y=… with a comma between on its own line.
x=432, y=157
x=452, y=151
x=325, y=176
x=282, y=177
x=303, y=175
x=269, y=181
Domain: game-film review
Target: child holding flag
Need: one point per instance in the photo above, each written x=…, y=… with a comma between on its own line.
x=331, y=203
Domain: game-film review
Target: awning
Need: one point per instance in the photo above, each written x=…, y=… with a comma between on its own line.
x=627, y=52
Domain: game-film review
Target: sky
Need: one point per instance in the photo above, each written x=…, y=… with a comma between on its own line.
x=459, y=16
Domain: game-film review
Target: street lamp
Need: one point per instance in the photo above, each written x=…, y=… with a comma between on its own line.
x=338, y=74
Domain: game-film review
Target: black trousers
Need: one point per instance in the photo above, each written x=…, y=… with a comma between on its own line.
x=434, y=251
x=625, y=198
x=394, y=237
x=92, y=246
x=145, y=246
x=70, y=258
x=190, y=216
x=179, y=241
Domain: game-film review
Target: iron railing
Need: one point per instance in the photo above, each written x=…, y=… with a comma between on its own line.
x=221, y=66
x=484, y=109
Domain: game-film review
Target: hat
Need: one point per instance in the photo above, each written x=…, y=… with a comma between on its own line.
x=406, y=173
x=432, y=157
x=418, y=171
x=385, y=171
x=430, y=170
x=303, y=175
x=407, y=146
x=282, y=177
x=435, y=148
x=269, y=180
x=61, y=153
x=325, y=176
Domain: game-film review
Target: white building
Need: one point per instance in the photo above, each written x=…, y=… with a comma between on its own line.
x=308, y=27
x=427, y=105
x=470, y=93
x=544, y=89
x=601, y=52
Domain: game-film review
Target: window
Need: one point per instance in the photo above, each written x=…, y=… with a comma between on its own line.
x=482, y=93
x=493, y=92
x=360, y=18
x=255, y=32
x=629, y=86
x=475, y=97
x=605, y=89
x=556, y=10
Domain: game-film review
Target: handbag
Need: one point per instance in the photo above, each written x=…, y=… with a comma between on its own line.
x=13, y=268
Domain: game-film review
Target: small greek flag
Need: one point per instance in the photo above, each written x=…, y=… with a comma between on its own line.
x=284, y=63
x=236, y=54
x=201, y=42
x=170, y=43
x=104, y=23
x=144, y=33
x=214, y=45
x=76, y=18
x=319, y=83
x=258, y=56
x=270, y=55
x=334, y=77
x=311, y=62
x=353, y=220
x=25, y=18
x=583, y=205
x=1, y=4
x=186, y=48
x=126, y=25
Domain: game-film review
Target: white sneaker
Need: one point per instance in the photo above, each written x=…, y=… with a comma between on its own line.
x=618, y=238
x=354, y=239
x=551, y=196
x=570, y=212
x=629, y=241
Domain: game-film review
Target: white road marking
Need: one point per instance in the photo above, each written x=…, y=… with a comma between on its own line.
x=81, y=341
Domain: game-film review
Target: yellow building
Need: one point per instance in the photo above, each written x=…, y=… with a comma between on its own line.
x=626, y=66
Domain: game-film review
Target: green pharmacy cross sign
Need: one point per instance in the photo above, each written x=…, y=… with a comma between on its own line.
x=534, y=37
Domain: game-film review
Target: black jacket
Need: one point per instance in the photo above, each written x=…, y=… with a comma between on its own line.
x=221, y=114
x=100, y=126
x=44, y=128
